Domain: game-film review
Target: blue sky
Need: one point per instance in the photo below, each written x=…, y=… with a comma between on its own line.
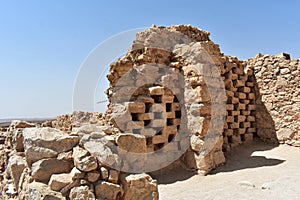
x=43, y=43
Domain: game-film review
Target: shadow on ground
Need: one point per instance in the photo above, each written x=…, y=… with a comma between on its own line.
x=173, y=173
x=242, y=158
x=237, y=159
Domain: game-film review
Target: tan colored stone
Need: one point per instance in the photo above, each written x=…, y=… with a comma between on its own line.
x=106, y=190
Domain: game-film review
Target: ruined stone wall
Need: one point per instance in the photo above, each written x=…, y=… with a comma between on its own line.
x=277, y=102
x=200, y=90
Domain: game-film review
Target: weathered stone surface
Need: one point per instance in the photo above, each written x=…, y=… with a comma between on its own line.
x=113, y=176
x=16, y=165
x=87, y=129
x=98, y=146
x=43, y=169
x=132, y=142
x=81, y=193
x=93, y=176
x=196, y=143
x=20, y=124
x=49, y=138
x=18, y=140
x=58, y=181
x=36, y=190
x=83, y=161
x=139, y=186
x=106, y=190
x=104, y=173
x=34, y=154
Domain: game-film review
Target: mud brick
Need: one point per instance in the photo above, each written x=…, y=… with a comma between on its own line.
x=229, y=107
x=157, y=107
x=251, y=96
x=170, y=130
x=176, y=121
x=230, y=119
x=230, y=93
x=145, y=116
x=156, y=90
x=242, y=95
x=235, y=100
x=241, y=118
x=242, y=131
x=136, y=107
x=245, y=112
x=228, y=83
x=159, y=139
x=251, y=130
x=225, y=126
x=250, y=84
x=170, y=115
x=246, y=101
x=234, y=125
x=145, y=99
x=234, y=89
x=242, y=106
x=242, y=78
x=176, y=106
x=250, y=118
x=251, y=107
x=235, y=113
x=238, y=83
x=156, y=123
x=238, y=71
x=135, y=125
x=234, y=76
x=205, y=110
x=168, y=99
x=148, y=132
x=246, y=89
x=247, y=124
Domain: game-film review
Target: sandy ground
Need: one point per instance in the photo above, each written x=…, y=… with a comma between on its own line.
x=259, y=171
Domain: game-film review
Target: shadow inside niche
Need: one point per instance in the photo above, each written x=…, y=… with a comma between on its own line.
x=172, y=173
x=241, y=157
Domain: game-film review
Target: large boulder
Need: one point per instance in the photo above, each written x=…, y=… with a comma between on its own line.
x=43, y=169
x=49, y=138
x=139, y=186
x=109, y=191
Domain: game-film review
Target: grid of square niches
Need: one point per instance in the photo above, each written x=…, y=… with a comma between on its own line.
x=158, y=118
x=240, y=123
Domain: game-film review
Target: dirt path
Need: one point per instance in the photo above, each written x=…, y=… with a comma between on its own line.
x=260, y=171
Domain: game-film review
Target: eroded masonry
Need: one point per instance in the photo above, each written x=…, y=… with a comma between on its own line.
x=174, y=97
